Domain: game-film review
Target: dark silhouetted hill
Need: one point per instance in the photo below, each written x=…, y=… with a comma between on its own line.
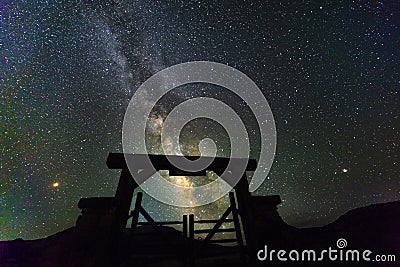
x=375, y=227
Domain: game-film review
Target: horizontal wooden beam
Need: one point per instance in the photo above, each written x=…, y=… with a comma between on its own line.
x=161, y=223
x=213, y=221
x=162, y=162
x=184, y=173
x=228, y=240
x=221, y=230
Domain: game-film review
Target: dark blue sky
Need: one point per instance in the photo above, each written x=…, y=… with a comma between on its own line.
x=329, y=71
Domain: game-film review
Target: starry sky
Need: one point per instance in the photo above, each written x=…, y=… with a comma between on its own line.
x=329, y=70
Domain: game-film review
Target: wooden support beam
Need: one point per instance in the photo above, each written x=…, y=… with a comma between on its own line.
x=191, y=226
x=192, y=252
x=123, y=197
x=217, y=225
x=149, y=219
x=236, y=219
x=243, y=197
x=136, y=211
x=185, y=226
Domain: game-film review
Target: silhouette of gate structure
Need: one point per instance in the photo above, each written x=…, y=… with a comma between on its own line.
x=192, y=249
x=117, y=208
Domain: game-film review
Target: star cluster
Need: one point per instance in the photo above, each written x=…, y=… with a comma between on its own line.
x=330, y=72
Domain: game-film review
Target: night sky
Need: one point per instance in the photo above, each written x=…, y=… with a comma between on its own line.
x=330, y=72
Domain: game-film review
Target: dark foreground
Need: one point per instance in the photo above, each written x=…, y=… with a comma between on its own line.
x=375, y=228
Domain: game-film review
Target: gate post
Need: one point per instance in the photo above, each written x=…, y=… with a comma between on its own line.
x=243, y=198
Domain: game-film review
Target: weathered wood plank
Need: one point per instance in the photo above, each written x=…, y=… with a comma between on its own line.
x=213, y=221
x=228, y=240
x=217, y=225
x=222, y=230
x=161, y=162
